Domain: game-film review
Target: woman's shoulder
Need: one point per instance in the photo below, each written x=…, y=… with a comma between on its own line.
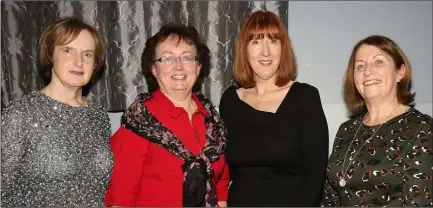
x=23, y=103
x=18, y=109
x=139, y=100
x=303, y=87
x=416, y=125
x=350, y=123
x=92, y=104
x=98, y=110
x=233, y=88
x=230, y=93
x=228, y=98
x=418, y=117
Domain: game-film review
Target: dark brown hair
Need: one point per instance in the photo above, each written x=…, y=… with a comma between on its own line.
x=184, y=33
x=62, y=32
x=258, y=25
x=354, y=100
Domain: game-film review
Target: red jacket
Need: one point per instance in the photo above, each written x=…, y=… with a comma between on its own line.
x=145, y=174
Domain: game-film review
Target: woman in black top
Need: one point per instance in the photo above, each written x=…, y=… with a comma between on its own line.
x=277, y=131
x=383, y=156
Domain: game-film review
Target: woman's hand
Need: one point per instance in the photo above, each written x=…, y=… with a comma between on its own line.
x=222, y=204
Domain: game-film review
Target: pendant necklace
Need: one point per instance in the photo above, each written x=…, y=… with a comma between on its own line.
x=342, y=182
x=258, y=97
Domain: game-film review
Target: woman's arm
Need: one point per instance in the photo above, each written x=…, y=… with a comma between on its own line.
x=222, y=186
x=12, y=149
x=314, y=143
x=418, y=169
x=129, y=152
x=330, y=196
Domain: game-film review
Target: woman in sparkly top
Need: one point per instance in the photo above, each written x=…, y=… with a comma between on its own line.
x=54, y=142
x=383, y=156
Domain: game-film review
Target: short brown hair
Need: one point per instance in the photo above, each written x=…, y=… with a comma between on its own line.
x=64, y=31
x=258, y=25
x=183, y=33
x=354, y=100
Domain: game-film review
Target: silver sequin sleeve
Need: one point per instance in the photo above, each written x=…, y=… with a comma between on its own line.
x=12, y=148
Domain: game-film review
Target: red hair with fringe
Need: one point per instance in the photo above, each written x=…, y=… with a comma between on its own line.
x=259, y=25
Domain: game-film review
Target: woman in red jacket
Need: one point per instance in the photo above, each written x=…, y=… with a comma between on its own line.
x=169, y=148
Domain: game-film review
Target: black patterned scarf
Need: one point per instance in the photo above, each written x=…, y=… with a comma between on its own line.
x=198, y=190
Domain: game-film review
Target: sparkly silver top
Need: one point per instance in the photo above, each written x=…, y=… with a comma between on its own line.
x=53, y=154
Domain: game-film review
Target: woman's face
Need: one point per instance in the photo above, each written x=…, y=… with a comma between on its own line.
x=73, y=63
x=264, y=57
x=178, y=68
x=375, y=74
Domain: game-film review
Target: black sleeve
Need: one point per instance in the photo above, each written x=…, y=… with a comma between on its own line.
x=314, y=142
x=224, y=102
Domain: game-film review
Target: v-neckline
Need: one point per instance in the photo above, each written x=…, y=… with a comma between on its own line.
x=267, y=112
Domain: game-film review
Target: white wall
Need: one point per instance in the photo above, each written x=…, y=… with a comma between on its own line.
x=324, y=33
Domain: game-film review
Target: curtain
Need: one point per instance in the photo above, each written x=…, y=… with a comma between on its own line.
x=124, y=26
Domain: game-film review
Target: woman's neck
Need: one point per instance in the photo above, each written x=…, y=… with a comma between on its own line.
x=70, y=96
x=179, y=99
x=264, y=86
x=183, y=100
x=379, y=113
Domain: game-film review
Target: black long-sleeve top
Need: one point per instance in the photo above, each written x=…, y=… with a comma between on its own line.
x=276, y=159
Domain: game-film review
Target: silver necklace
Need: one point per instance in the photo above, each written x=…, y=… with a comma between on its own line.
x=342, y=182
x=259, y=97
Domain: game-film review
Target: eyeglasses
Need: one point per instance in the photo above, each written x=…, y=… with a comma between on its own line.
x=187, y=59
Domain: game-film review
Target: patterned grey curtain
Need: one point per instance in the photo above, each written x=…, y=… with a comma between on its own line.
x=125, y=26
